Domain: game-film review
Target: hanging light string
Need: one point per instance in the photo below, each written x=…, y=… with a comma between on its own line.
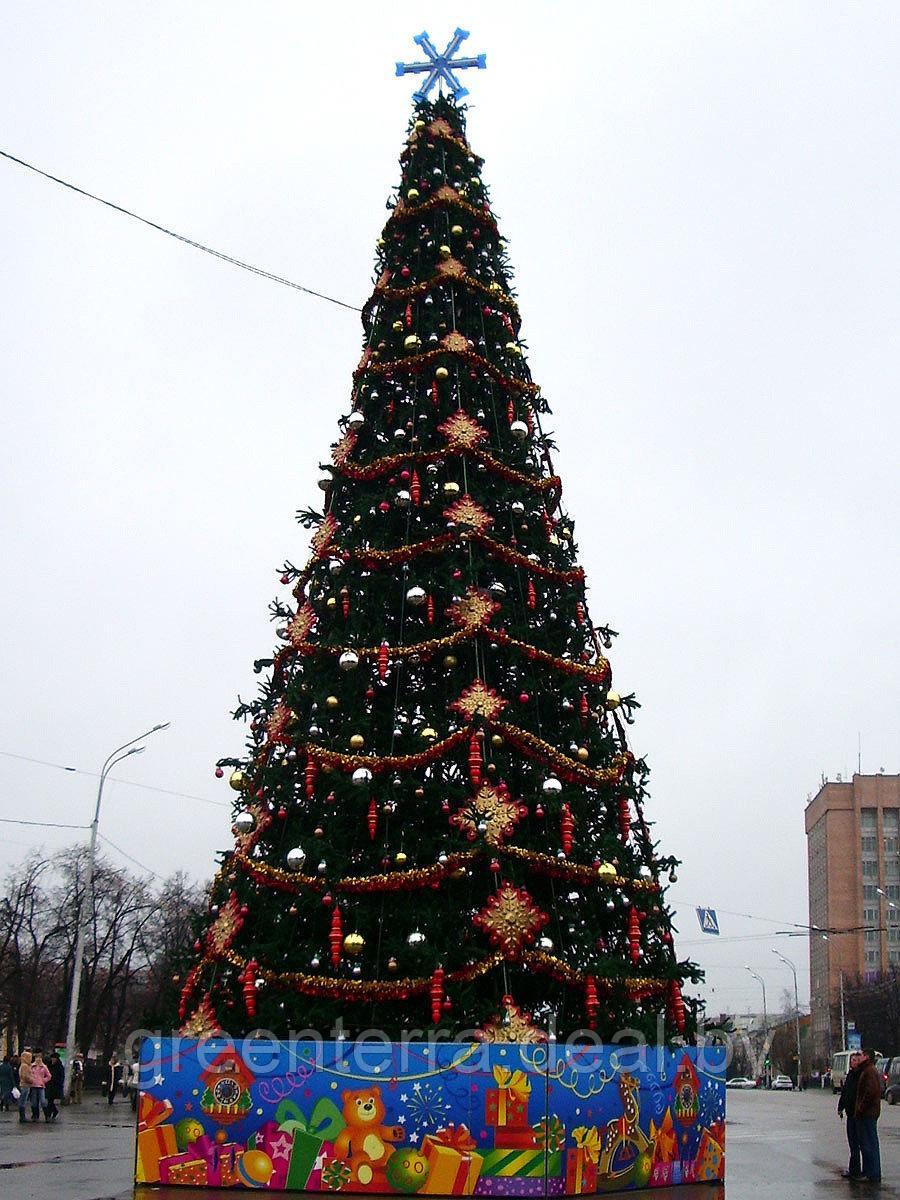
x=180, y=237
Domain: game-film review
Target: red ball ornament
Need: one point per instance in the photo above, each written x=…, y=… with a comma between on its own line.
x=282, y=814
x=328, y=899
x=405, y=272
x=370, y=693
x=404, y=475
x=524, y=697
x=219, y=772
x=384, y=507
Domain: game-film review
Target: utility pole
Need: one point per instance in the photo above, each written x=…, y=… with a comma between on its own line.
x=843, y=1017
x=81, y=919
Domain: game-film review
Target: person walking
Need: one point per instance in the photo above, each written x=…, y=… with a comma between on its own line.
x=25, y=1082
x=7, y=1083
x=868, y=1110
x=112, y=1079
x=77, y=1079
x=55, y=1086
x=847, y=1108
x=40, y=1077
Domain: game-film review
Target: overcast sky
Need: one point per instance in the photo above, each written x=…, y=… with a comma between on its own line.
x=701, y=202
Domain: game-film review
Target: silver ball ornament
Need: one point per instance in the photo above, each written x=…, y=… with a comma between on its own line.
x=296, y=858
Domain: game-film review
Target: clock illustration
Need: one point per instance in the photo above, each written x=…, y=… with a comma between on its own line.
x=226, y=1097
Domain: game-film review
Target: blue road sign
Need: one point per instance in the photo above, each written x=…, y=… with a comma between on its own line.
x=709, y=922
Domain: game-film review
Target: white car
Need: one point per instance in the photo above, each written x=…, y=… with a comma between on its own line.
x=781, y=1083
x=740, y=1081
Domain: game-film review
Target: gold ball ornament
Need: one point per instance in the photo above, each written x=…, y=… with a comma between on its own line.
x=392, y=965
x=400, y=858
x=451, y=488
x=513, y=348
x=496, y=741
x=236, y=780
x=583, y=754
x=397, y=326
x=354, y=944
x=613, y=699
x=428, y=734
x=419, y=125
x=357, y=741
x=441, y=373
x=444, y=251
x=331, y=602
x=457, y=230
x=381, y=243
x=412, y=342
x=332, y=702
x=450, y=661
x=412, y=194
x=606, y=870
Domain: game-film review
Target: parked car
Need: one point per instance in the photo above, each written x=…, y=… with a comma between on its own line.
x=740, y=1081
x=781, y=1083
x=892, y=1087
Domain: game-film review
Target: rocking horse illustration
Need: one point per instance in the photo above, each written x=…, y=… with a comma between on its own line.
x=625, y=1150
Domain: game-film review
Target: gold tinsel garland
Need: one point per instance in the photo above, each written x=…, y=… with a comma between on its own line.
x=415, y=362
x=359, y=472
x=445, y=196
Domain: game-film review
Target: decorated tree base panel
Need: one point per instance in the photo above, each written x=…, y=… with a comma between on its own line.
x=445, y=1119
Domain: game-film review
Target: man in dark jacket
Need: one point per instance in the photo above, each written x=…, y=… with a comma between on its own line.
x=847, y=1107
x=867, y=1112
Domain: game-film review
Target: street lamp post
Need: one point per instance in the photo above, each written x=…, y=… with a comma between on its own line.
x=762, y=983
x=788, y=963
x=113, y=760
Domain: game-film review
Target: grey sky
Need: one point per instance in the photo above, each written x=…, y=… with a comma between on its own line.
x=701, y=203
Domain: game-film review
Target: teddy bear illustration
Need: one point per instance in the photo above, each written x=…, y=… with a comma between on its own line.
x=363, y=1143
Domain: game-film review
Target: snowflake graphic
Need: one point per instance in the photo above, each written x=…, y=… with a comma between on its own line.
x=427, y=1106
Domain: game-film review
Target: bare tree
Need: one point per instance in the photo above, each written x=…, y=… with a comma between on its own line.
x=136, y=935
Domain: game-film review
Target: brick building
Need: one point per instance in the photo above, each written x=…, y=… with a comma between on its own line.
x=853, y=852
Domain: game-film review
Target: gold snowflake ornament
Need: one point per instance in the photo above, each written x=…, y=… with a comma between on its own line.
x=467, y=511
x=496, y=812
x=462, y=431
x=510, y=918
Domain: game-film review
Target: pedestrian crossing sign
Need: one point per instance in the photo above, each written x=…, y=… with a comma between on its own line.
x=709, y=922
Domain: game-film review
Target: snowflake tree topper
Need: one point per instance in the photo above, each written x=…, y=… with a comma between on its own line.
x=440, y=67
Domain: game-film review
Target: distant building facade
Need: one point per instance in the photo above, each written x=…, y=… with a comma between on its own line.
x=853, y=853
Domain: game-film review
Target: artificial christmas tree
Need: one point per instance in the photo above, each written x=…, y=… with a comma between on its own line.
x=439, y=822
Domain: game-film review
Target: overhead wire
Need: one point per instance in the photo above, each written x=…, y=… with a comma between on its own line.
x=147, y=787
x=229, y=258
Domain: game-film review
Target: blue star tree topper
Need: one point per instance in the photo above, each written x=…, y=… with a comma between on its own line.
x=440, y=67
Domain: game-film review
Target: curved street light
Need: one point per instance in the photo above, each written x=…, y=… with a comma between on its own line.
x=788, y=963
x=112, y=760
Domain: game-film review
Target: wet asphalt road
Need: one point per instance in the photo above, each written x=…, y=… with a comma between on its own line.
x=779, y=1146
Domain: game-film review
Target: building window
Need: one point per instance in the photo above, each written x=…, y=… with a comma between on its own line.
x=869, y=843
x=890, y=819
x=893, y=891
x=868, y=818
x=872, y=957
x=870, y=916
x=871, y=935
x=870, y=869
x=894, y=956
x=890, y=843
x=869, y=892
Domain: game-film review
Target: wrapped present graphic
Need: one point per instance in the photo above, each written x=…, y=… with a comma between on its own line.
x=525, y=1163
x=221, y=1161
x=710, y=1162
x=520, y=1186
x=661, y=1174
x=335, y=1175
x=155, y=1140
x=506, y=1105
x=581, y=1161
x=310, y=1138
x=688, y=1171
x=152, y=1112
x=454, y=1165
x=187, y=1169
